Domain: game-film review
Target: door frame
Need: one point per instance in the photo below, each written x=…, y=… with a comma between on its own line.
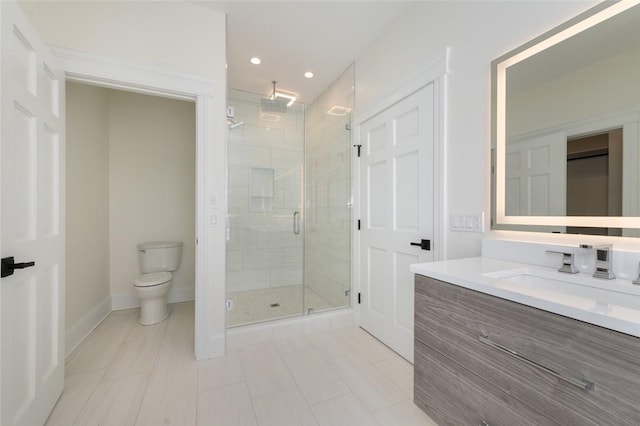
x=434, y=73
x=116, y=73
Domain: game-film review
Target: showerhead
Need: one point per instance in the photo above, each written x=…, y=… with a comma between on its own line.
x=274, y=105
x=279, y=101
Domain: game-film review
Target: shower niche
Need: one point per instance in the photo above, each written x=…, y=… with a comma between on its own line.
x=261, y=189
x=288, y=249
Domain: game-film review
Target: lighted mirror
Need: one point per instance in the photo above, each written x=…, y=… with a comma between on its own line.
x=566, y=127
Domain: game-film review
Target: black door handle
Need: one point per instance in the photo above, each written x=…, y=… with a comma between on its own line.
x=423, y=244
x=9, y=266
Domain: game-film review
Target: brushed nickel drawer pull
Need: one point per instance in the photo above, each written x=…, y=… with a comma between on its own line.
x=585, y=384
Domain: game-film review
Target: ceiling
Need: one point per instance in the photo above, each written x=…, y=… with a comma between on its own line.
x=291, y=37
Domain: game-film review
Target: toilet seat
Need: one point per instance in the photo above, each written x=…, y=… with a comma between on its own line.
x=152, y=279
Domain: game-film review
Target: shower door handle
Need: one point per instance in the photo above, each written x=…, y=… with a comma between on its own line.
x=296, y=223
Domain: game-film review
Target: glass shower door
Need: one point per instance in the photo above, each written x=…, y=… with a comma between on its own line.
x=328, y=198
x=266, y=233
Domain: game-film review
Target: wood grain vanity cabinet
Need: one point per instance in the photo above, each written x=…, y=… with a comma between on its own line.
x=579, y=374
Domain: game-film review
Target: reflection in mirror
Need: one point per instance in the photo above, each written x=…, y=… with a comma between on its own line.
x=566, y=129
x=594, y=162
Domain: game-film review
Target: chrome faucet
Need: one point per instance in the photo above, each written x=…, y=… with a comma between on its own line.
x=604, y=260
x=568, y=262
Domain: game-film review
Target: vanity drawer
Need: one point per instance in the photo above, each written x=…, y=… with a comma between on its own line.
x=453, y=395
x=451, y=319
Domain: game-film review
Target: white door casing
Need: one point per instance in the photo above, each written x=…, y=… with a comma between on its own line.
x=116, y=73
x=31, y=222
x=397, y=208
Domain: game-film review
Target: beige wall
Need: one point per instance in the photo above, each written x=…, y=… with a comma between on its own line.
x=131, y=179
x=151, y=187
x=87, y=204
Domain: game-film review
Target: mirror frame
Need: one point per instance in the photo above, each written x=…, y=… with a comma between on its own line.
x=499, y=220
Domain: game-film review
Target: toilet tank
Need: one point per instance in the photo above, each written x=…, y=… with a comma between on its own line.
x=158, y=256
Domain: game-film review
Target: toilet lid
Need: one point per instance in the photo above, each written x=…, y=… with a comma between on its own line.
x=154, y=278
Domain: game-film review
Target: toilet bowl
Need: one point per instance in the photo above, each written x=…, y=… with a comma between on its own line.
x=157, y=260
x=152, y=289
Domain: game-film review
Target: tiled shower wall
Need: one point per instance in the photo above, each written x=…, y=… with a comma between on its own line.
x=328, y=192
x=266, y=156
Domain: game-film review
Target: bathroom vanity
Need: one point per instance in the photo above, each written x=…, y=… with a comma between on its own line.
x=508, y=339
x=505, y=343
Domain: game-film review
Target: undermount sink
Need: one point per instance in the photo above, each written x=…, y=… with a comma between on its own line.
x=577, y=290
x=612, y=304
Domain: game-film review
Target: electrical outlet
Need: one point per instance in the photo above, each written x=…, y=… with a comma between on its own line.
x=467, y=222
x=229, y=304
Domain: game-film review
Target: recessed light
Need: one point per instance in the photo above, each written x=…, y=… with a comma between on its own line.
x=255, y=60
x=308, y=74
x=339, y=111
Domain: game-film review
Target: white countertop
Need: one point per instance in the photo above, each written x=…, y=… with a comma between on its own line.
x=613, y=304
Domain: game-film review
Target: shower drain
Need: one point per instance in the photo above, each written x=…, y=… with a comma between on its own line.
x=274, y=305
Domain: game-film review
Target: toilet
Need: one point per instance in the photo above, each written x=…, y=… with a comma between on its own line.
x=157, y=260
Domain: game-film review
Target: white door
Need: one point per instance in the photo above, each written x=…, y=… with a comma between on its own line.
x=396, y=187
x=536, y=176
x=31, y=223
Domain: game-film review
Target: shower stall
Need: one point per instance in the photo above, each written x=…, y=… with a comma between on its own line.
x=289, y=177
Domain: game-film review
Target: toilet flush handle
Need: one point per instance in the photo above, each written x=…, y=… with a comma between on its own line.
x=142, y=251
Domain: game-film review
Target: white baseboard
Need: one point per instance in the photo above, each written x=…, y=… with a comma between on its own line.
x=130, y=300
x=85, y=325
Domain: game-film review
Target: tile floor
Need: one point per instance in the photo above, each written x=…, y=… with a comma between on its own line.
x=127, y=374
x=254, y=306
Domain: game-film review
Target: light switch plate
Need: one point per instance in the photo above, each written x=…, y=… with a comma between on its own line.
x=467, y=222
